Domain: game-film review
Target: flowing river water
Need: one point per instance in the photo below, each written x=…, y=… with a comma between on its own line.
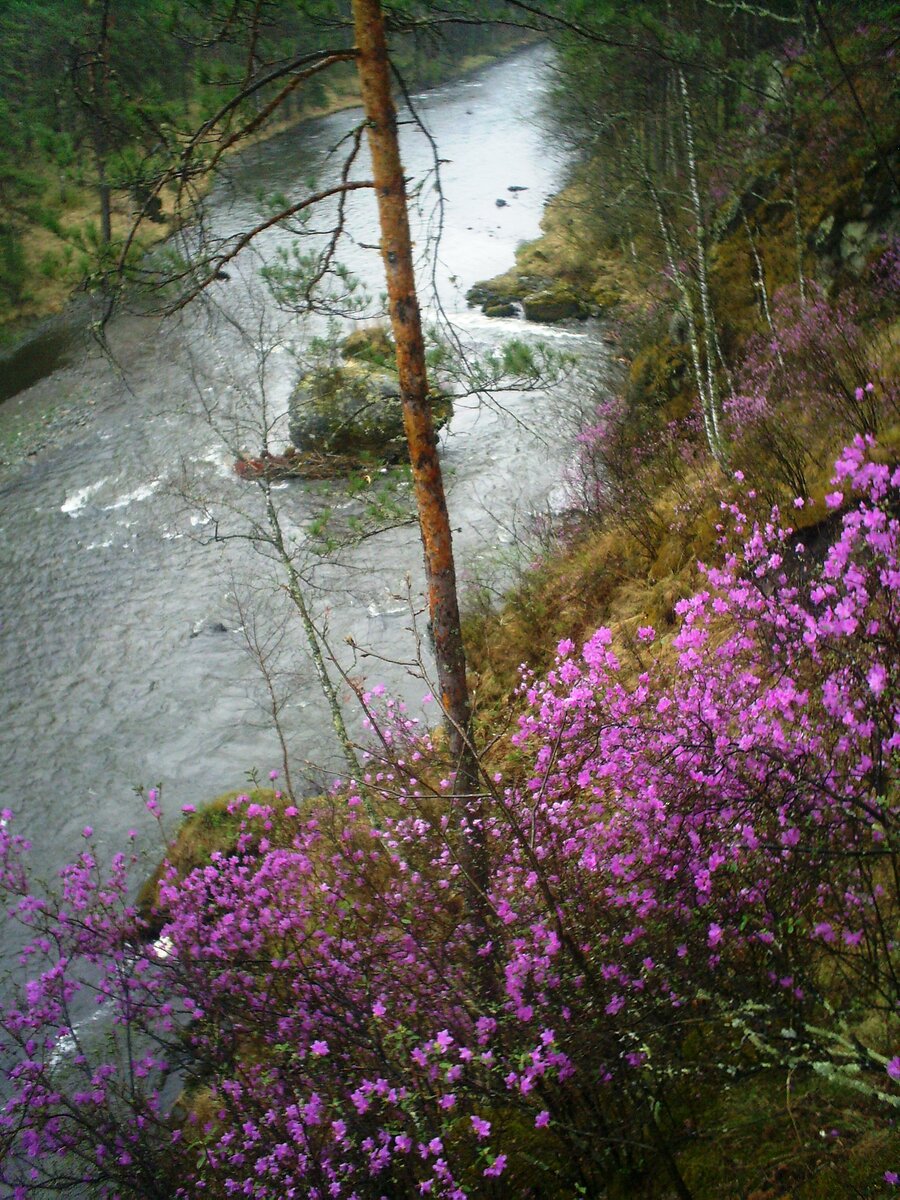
x=124, y=656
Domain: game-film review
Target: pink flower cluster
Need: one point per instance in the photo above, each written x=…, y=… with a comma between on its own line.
x=357, y=1010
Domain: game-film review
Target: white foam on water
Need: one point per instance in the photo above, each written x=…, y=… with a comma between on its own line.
x=75, y=503
x=218, y=457
x=67, y=1043
x=143, y=492
x=474, y=318
x=388, y=611
x=163, y=947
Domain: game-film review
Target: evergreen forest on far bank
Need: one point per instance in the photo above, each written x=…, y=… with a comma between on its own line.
x=627, y=927
x=98, y=99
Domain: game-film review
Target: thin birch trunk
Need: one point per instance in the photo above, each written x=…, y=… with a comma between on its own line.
x=712, y=387
x=763, y=290
x=687, y=302
x=795, y=208
x=297, y=594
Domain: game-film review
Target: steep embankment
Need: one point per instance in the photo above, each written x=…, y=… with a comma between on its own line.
x=645, y=492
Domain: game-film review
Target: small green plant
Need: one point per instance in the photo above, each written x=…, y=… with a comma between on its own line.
x=49, y=266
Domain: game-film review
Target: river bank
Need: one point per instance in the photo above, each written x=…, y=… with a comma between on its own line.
x=644, y=491
x=671, y=970
x=28, y=329
x=119, y=606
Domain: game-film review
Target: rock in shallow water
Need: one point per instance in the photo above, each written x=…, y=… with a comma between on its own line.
x=355, y=410
x=557, y=303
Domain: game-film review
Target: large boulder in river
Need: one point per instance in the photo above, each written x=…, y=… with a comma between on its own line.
x=542, y=298
x=502, y=289
x=556, y=303
x=353, y=409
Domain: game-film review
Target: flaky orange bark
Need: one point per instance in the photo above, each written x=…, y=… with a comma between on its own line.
x=396, y=250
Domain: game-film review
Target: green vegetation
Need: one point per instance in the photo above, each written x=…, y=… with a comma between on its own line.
x=801, y=213
x=99, y=100
x=645, y=503
x=645, y=955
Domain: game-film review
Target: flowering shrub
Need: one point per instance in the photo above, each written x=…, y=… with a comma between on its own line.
x=693, y=874
x=621, y=464
x=803, y=375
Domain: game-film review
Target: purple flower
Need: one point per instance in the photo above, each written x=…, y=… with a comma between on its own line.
x=482, y=1128
x=893, y=1067
x=877, y=678
x=497, y=1167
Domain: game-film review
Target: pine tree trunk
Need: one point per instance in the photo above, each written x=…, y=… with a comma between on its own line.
x=434, y=522
x=396, y=251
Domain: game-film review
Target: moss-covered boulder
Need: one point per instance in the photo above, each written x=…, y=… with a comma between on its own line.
x=502, y=289
x=353, y=409
x=560, y=302
x=542, y=297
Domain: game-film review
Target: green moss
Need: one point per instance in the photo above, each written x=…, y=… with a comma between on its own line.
x=559, y=302
x=502, y=289
x=371, y=344
x=354, y=410
x=606, y=294
x=776, y=1135
x=657, y=374
x=500, y=310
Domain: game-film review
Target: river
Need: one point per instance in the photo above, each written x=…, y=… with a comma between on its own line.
x=124, y=656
